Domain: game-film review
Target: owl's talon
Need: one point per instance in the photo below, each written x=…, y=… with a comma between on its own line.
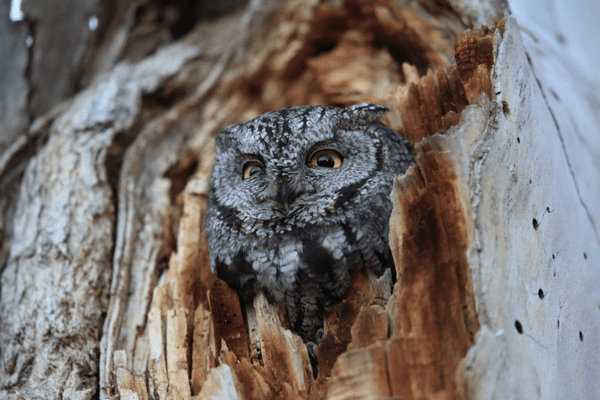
x=319, y=335
x=312, y=356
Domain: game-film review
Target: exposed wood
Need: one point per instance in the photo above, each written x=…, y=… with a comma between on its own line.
x=130, y=387
x=177, y=342
x=227, y=318
x=204, y=349
x=432, y=236
x=494, y=231
x=219, y=385
x=284, y=356
x=430, y=104
x=475, y=56
x=366, y=290
x=361, y=374
x=157, y=363
x=536, y=224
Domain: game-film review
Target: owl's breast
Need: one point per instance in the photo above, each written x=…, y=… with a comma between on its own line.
x=279, y=262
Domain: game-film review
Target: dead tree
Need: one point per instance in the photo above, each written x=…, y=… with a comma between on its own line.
x=106, y=289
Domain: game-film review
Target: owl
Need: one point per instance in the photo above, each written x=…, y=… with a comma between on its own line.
x=299, y=198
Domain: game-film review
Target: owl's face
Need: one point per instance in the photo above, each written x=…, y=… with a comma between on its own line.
x=298, y=198
x=292, y=168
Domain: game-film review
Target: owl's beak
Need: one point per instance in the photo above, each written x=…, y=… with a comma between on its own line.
x=287, y=194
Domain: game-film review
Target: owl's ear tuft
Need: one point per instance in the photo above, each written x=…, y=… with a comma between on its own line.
x=365, y=113
x=225, y=139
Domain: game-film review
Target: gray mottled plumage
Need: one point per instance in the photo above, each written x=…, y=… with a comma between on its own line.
x=296, y=230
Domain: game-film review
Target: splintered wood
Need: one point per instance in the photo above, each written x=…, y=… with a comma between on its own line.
x=431, y=104
x=377, y=344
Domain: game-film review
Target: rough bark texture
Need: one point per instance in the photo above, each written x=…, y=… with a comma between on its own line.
x=106, y=289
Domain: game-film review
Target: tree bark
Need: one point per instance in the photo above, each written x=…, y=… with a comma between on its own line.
x=106, y=289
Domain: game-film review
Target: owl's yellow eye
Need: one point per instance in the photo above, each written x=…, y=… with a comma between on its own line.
x=252, y=168
x=326, y=158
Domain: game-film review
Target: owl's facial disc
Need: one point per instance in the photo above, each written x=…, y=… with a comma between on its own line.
x=287, y=189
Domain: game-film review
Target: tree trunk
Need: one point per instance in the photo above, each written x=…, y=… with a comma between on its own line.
x=106, y=289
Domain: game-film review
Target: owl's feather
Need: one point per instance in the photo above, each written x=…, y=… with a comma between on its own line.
x=296, y=230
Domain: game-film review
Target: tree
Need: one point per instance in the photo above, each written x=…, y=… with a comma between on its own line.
x=106, y=289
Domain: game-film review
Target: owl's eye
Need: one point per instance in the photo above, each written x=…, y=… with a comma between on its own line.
x=252, y=168
x=326, y=158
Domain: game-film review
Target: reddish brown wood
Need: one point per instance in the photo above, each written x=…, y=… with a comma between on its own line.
x=475, y=61
x=228, y=320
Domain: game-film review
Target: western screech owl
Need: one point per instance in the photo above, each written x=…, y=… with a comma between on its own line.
x=299, y=198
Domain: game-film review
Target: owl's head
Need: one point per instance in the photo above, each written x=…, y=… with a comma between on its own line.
x=301, y=166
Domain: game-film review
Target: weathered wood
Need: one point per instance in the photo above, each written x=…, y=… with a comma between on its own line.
x=494, y=230
x=177, y=364
x=53, y=78
x=157, y=362
x=360, y=374
x=534, y=222
x=204, y=349
x=54, y=286
x=284, y=355
x=227, y=318
x=129, y=386
x=219, y=385
x=14, y=87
